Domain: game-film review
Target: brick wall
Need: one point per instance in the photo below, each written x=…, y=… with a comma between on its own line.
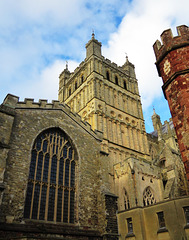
x=173, y=66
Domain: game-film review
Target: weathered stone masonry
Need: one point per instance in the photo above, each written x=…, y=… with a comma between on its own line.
x=68, y=167
x=29, y=119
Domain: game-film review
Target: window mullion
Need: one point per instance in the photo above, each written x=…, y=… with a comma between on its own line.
x=62, y=212
x=63, y=191
x=69, y=192
x=32, y=200
x=57, y=175
x=61, y=155
x=36, y=163
x=48, y=179
x=41, y=185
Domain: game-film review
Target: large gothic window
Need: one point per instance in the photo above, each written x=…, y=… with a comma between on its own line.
x=51, y=184
x=148, y=197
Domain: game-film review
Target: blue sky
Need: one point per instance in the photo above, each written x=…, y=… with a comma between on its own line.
x=38, y=36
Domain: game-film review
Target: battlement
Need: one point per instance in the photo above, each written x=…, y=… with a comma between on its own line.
x=28, y=103
x=171, y=42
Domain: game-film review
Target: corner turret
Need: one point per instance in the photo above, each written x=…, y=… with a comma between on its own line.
x=157, y=124
x=156, y=121
x=64, y=76
x=128, y=66
x=93, y=47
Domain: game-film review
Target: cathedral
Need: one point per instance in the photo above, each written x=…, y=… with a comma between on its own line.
x=84, y=167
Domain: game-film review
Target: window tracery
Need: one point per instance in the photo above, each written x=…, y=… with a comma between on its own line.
x=51, y=183
x=148, y=197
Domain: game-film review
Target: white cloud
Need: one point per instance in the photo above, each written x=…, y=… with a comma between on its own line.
x=33, y=34
x=137, y=33
x=44, y=84
x=37, y=37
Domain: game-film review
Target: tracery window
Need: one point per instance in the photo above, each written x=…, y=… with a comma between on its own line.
x=126, y=200
x=51, y=184
x=148, y=197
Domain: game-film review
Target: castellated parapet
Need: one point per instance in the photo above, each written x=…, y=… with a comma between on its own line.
x=12, y=102
x=173, y=66
x=66, y=167
x=170, y=42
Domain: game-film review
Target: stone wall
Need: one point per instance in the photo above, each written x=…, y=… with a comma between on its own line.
x=146, y=226
x=30, y=120
x=7, y=114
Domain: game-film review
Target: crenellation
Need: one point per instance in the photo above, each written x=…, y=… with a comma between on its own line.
x=167, y=37
x=114, y=65
x=171, y=42
x=55, y=103
x=113, y=164
x=29, y=101
x=10, y=100
x=173, y=66
x=82, y=64
x=42, y=102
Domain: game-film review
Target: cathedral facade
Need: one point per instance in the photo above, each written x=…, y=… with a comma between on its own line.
x=79, y=167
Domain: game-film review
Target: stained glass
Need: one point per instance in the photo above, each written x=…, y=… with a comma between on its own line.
x=52, y=175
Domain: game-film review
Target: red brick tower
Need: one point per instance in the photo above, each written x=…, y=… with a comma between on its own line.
x=173, y=66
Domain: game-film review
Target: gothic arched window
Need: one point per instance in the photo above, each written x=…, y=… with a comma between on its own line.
x=148, y=197
x=75, y=85
x=125, y=85
x=116, y=80
x=126, y=200
x=107, y=75
x=51, y=183
x=82, y=79
x=69, y=92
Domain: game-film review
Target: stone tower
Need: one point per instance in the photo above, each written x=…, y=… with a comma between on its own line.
x=173, y=66
x=107, y=97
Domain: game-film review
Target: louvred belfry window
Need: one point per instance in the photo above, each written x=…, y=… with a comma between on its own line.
x=51, y=184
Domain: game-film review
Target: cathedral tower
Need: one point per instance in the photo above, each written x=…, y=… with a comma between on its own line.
x=173, y=66
x=106, y=96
